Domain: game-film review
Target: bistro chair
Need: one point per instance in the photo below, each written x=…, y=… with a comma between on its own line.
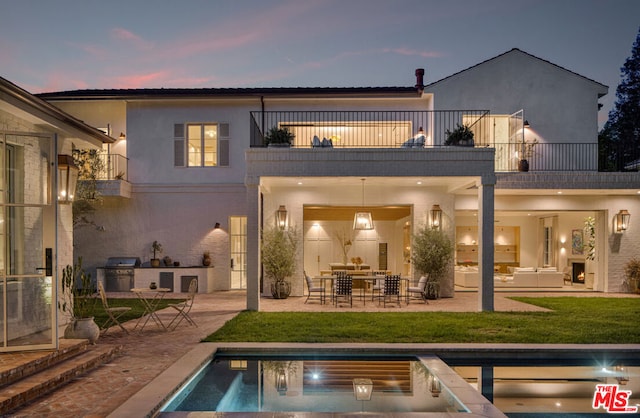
x=315, y=292
x=183, y=308
x=343, y=290
x=418, y=292
x=378, y=283
x=391, y=289
x=114, y=313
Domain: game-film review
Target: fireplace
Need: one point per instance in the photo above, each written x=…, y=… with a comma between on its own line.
x=577, y=272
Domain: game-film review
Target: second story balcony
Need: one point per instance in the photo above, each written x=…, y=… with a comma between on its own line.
x=369, y=129
x=397, y=129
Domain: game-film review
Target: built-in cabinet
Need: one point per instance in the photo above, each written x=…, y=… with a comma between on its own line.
x=506, y=247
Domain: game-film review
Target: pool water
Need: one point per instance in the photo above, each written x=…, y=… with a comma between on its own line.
x=520, y=385
x=294, y=384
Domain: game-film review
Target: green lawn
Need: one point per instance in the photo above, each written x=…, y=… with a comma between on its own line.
x=573, y=320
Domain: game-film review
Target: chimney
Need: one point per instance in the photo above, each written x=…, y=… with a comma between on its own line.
x=420, y=79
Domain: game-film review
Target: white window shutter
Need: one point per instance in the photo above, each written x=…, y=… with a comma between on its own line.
x=223, y=151
x=178, y=145
x=224, y=130
x=223, y=156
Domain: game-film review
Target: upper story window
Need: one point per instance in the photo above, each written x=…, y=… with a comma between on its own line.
x=201, y=144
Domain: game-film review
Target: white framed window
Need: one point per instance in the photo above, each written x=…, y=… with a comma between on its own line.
x=201, y=144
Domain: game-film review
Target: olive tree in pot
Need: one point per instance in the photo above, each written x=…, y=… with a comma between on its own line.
x=432, y=252
x=279, y=251
x=632, y=275
x=78, y=299
x=156, y=248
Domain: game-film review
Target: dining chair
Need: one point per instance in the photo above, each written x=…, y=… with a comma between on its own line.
x=391, y=289
x=378, y=283
x=319, y=291
x=343, y=289
x=419, y=291
x=184, y=308
x=114, y=313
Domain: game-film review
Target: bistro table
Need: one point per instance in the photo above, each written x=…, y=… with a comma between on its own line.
x=150, y=299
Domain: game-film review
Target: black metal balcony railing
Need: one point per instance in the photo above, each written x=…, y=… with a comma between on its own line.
x=368, y=129
x=115, y=167
x=547, y=156
x=390, y=129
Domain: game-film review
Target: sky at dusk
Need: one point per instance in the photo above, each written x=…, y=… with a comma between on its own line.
x=53, y=45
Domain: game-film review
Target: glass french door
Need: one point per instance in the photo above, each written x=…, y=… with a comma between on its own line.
x=27, y=222
x=238, y=251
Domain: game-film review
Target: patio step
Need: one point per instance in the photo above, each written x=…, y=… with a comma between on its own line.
x=44, y=372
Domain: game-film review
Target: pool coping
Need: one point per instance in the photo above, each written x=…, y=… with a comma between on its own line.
x=148, y=401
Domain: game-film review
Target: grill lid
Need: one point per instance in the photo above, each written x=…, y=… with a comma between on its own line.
x=123, y=262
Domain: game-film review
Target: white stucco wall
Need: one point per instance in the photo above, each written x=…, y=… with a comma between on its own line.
x=560, y=105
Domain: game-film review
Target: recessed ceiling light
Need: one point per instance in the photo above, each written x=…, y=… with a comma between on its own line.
x=560, y=192
x=419, y=182
x=299, y=183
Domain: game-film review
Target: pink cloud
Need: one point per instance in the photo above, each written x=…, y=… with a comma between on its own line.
x=134, y=81
x=121, y=34
x=94, y=51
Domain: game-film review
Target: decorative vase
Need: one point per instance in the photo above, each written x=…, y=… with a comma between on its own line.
x=153, y=285
x=280, y=289
x=206, y=261
x=82, y=328
x=155, y=262
x=523, y=165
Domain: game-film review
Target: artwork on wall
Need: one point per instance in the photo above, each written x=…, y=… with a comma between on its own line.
x=577, y=244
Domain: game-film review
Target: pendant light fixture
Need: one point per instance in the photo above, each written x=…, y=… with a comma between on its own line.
x=362, y=220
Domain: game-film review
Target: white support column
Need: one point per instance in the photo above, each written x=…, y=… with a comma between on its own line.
x=486, y=244
x=253, y=244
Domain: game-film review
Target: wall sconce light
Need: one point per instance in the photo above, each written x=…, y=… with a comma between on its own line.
x=622, y=221
x=526, y=124
x=362, y=389
x=435, y=217
x=122, y=136
x=217, y=225
x=281, y=382
x=281, y=217
x=67, y=178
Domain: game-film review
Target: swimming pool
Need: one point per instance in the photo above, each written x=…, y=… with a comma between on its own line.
x=560, y=381
x=315, y=383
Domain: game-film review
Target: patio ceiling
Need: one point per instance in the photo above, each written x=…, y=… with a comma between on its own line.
x=345, y=213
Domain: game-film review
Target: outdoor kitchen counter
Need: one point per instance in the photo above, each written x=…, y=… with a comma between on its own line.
x=175, y=278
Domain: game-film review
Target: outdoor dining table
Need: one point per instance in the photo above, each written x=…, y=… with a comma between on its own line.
x=150, y=299
x=404, y=283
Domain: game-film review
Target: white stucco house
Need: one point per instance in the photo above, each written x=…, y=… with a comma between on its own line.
x=36, y=231
x=195, y=160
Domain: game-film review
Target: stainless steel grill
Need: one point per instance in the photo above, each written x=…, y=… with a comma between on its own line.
x=119, y=273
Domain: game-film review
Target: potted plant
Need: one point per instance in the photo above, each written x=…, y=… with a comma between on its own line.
x=279, y=137
x=432, y=252
x=279, y=250
x=461, y=136
x=156, y=248
x=206, y=259
x=78, y=299
x=527, y=153
x=632, y=275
